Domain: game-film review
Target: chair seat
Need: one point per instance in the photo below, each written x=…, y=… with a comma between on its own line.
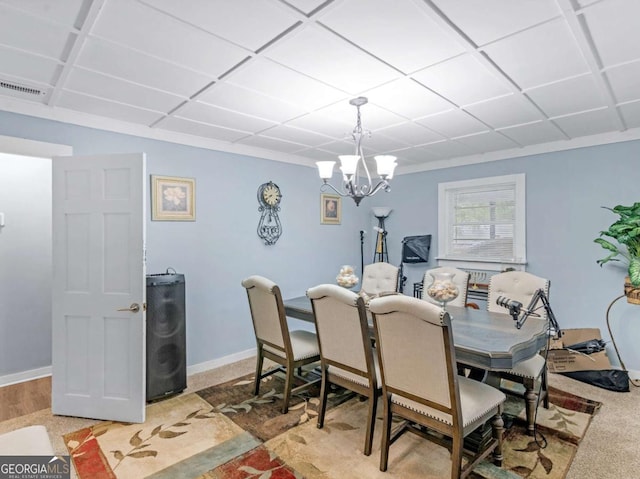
x=349, y=376
x=529, y=368
x=303, y=343
x=476, y=400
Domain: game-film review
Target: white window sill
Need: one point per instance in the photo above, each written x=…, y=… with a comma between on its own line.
x=485, y=265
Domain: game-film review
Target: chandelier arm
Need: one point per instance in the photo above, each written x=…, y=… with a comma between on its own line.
x=341, y=193
x=381, y=184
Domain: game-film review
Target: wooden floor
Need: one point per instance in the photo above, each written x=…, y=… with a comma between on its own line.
x=25, y=398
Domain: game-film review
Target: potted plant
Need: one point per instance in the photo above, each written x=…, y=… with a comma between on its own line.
x=626, y=232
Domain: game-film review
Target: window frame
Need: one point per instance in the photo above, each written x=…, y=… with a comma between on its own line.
x=519, y=260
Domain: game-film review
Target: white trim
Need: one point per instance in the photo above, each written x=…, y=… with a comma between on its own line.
x=40, y=149
x=219, y=362
x=634, y=374
x=193, y=369
x=24, y=376
x=519, y=234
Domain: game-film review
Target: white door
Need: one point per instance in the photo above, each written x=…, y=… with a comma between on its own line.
x=98, y=352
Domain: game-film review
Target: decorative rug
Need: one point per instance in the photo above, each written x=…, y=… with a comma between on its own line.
x=224, y=432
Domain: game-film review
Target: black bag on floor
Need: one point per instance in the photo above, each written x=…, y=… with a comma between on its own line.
x=612, y=379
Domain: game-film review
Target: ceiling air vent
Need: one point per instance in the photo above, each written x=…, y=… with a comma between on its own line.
x=15, y=87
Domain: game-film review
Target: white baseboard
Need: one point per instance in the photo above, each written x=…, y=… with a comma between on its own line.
x=193, y=369
x=23, y=376
x=634, y=374
x=217, y=363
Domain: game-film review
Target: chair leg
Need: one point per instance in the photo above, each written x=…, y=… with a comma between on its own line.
x=373, y=406
x=497, y=428
x=386, y=434
x=531, y=401
x=260, y=359
x=545, y=389
x=456, y=456
x=324, y=392
x=287, y=389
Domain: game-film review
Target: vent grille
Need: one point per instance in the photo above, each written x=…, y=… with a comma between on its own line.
x=20, y=88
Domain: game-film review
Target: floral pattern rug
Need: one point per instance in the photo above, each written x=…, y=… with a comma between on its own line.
x=224, y=432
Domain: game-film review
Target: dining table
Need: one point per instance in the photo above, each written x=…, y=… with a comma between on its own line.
x=482, y=339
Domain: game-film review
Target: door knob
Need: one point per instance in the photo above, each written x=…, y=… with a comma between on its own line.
x=134, y=308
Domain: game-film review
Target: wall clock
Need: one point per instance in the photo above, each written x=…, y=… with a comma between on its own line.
x=269, y=227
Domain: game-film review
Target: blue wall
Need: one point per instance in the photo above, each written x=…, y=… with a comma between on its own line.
x=565, y=191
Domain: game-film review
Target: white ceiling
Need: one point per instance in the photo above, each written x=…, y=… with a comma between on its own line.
x=448, y=81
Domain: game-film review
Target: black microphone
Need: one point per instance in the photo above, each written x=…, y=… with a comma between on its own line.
x=512, y=305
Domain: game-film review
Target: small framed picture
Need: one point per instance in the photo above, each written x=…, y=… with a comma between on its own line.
x=330, y=209
x=173, y=198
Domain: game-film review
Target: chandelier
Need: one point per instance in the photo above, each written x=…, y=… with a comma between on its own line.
x=352, y=183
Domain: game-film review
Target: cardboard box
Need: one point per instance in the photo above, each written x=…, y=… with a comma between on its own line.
x=562, y=360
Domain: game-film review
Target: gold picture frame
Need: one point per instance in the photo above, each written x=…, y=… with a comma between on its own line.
x=330, y=209
x=173, y=198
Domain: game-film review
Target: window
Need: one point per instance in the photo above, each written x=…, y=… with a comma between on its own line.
x=481, y=223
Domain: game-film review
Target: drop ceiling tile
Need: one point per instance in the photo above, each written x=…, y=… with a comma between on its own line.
x=631, y=114
x=16, y=29
x=28, y=67
x=270, y=78
x=317, y=154
x=586, y=123
x=109, y=109
x=447, y=149
x=305, y=6
x=488, y=141
x=232, y=97
x=271, y=144
x=212, y=115
x=489, y=20
x=109, y=88
x=399, y=32
x=543, y=54
x=533, y=133
x=372, y=116
x=250, y=24
x=568, y=96
x=296, y=135
x=150, y=31
x=137, y=67
x=384, y=144
x=624, y=81
x=408, y=98
x=619, y=44
x=462, y=80
x=505, y=111
x=66, y=12
x=341, y=147
x=415, y=155
x=324, y=124
x=322, y=55
x=410, y=133
x=452, y=123
x=37, y=92
x=189, y=127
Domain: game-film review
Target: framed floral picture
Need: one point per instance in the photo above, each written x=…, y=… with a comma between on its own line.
x=173, y=198
x=330, y=209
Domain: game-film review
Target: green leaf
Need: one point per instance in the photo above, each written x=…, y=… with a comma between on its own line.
x=611, y=257
x=606, y=244
x=634, y=272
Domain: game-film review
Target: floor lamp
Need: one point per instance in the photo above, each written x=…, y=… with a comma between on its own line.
x=381, y=254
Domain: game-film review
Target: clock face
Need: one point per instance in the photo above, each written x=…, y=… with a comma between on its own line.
x=271, y=194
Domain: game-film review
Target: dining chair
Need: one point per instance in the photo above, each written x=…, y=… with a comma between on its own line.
x=420, y=384
x=379, y=278
x=460, y=279
x=521, y=286
x=290, y=349
x=346, y=354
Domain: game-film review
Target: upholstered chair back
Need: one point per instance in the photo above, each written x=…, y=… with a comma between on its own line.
x=518, y=286
x=379, y=278
x=460, y=279
x=339, y=314
x=264, y=297
x=415, y=349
